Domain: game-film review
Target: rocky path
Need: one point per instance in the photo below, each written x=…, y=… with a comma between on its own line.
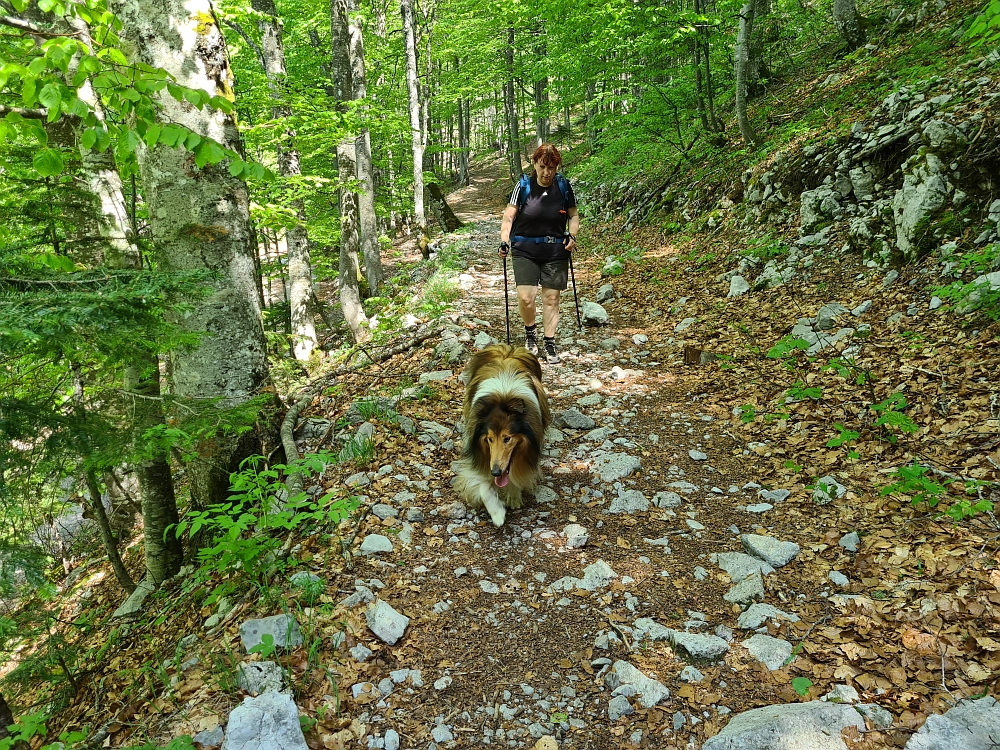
x=640, y=600
x=652, y=594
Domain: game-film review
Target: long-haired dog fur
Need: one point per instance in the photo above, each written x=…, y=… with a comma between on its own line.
x=506, y=414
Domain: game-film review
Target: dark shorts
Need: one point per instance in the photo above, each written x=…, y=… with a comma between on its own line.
x=550, y=275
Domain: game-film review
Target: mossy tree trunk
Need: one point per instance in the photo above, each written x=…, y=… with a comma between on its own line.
x=200, y=221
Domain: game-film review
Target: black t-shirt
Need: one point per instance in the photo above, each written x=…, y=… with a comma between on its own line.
x=545, y=214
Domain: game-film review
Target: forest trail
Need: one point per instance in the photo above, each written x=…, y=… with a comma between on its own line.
x=513, y=630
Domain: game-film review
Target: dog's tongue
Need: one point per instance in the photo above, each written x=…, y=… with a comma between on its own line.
x=501, y=481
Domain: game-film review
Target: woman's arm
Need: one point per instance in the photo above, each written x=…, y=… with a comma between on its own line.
x=505, y=227
x=573, y=227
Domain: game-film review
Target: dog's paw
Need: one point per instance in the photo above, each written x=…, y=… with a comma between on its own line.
x=498, y=515
x=514, y=502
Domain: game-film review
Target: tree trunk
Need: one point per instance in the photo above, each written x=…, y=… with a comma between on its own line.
x=413, y=96
x=350, y=297
x=510, y=108
x=463, y=142
x=297, y=236
x=201, y=221
x=94, y=491
x=442, y=211
x=365, y=173
x=848, y=23
x=156, y=488
x=742, y=57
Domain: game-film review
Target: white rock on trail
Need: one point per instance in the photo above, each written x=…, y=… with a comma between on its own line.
x=386, y=623
x=797, y=726
x=774, y=552
x=270, y=720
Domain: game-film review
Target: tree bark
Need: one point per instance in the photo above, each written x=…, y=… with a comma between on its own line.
x=510, y=108
x=848, y=22
x=413, y=96
x=200, y=220
x=350, y=271
x=365, y=172
x=296, y=237
x=742, y=58
x=156, y=489
x=442, y=211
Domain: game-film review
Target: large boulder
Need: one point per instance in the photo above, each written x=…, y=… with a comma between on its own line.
x=970, y=725
x=922, y=196
x=816, y=725
x=270, y=720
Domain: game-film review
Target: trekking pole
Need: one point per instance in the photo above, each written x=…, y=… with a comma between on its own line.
x=576, y=299
x=506, y=297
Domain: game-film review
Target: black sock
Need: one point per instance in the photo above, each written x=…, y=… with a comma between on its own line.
x=550, y=341
x=530, y=329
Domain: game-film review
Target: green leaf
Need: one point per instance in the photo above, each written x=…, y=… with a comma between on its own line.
x=152, y=135
x=236, y=167
x=196, y=97
x=28, y=91
x=48, y=162
x=208, y=152
x=801, y=685
x=50, y=96
x=192, y=140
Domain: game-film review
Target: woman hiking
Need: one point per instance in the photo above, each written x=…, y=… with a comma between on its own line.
x=539, y=228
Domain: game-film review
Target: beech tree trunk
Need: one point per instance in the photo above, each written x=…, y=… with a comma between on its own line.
x=163, y=552
x=200, y=219
x=742, y=58
x=848, y=23
x=350, y=244
x=413, y=96
x=510, y=108
x=365, y=171
x=296, y=237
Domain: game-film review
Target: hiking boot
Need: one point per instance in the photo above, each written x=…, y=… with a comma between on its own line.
x=530, y=341
x=550, y=352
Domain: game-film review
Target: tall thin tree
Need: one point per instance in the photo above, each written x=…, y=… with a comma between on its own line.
x=300, y=291
x=413, y=100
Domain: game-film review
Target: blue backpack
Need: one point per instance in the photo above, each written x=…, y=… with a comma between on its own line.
x=525, y=190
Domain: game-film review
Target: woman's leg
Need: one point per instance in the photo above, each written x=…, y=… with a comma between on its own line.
x=550, y=311
x=526, y=304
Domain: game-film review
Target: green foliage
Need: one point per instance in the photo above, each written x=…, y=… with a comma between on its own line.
x=970, y=295
x=985, y=28
x=801, y=685
x=246, y=531
x=767, y=248
x=800, y=391
x=891, y=418
x=916, y=482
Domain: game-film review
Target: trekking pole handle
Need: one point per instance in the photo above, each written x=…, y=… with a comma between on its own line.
x=504, y=249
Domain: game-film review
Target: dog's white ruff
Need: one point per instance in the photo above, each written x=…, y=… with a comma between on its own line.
x=508, y=383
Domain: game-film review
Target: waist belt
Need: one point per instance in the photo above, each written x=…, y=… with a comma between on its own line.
x=539, y=240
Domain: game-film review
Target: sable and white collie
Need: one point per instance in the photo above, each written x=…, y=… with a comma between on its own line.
x=506, y=414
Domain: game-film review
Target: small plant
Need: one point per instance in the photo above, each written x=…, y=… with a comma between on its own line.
x=914, y=481
x=801, y=685
x=748, y=413
x=786, y=349
x=767, y=248
x=891, y=417
x=848, y=369
x=969, y=296
x=799, y=391
x=845, y=437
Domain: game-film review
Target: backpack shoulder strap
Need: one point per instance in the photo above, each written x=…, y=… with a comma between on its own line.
x=524, y=185
x=563, y=184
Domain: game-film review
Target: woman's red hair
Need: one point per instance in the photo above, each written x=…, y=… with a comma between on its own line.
x=548, y=155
